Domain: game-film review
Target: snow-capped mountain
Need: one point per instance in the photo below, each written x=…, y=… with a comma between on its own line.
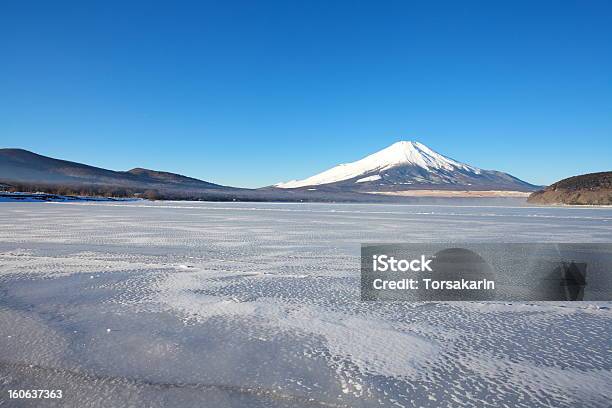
x=408, y=166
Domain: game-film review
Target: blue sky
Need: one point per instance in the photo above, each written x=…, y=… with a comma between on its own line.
x=255, y=92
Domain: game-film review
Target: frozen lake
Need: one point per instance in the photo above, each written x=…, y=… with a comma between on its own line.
x=257, y=305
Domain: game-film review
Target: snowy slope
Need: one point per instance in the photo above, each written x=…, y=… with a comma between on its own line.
x=409, y=164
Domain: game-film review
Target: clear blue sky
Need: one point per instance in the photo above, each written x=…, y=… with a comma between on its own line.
x=249, y=93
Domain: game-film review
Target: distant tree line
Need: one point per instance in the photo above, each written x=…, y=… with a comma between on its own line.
x=81, y=190
x=111, y=191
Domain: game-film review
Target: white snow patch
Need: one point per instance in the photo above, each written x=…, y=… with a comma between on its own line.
x=369, y=178
x=375, y=346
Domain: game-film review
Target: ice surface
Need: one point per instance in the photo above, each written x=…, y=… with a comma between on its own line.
x=257, y=305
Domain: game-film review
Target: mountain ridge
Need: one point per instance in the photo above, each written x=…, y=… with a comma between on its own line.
x=409, y=165
x=25, y=171
x=23, y=166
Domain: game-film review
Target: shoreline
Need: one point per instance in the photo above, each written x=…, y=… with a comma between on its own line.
x=453, y=193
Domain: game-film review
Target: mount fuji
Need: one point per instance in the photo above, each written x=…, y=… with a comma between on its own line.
x=408, y=165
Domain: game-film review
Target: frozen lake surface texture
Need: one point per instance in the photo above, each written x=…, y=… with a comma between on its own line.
x=181, y=304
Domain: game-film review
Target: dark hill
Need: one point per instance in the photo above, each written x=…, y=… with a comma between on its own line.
x=22, y=166
x=586, y=189
x=165, y=177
